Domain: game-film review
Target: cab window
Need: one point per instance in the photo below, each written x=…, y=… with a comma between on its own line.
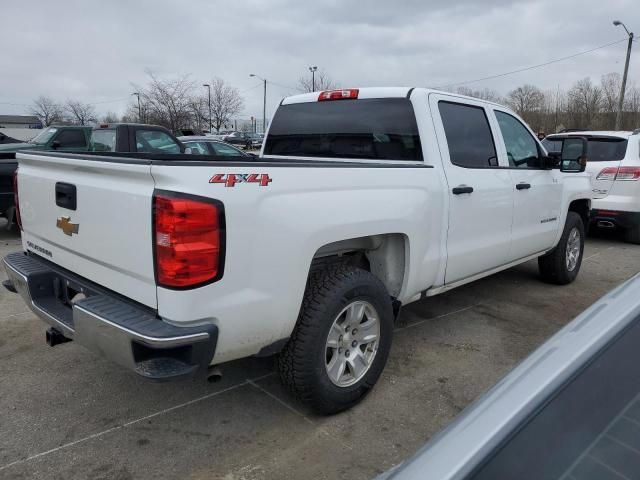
x=522, y=149
x=155, y=141
x=71, y=139
x=225, y=150
x=468, y=135
x=198, y=148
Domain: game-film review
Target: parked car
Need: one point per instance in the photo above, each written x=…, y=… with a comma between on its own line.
x=208, y=146
x=62, y=137
x=571, y=410
x=243, y=139
x=364, y=201
x=614, y=166
x=5, y=139
x=66, y=137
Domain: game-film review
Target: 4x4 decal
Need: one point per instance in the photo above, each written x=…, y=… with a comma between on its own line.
x=231, y=179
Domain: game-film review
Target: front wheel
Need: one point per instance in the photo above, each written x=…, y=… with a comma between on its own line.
x=341, y=342
x=562, y=264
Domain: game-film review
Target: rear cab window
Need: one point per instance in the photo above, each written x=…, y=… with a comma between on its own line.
x=373, y=128
x=155, y=141
x=103, y=140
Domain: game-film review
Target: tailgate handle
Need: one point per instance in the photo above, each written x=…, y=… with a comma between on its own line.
x=66, y=195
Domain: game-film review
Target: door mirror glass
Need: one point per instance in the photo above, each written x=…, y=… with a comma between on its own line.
x=188, y=150
x=573, y=156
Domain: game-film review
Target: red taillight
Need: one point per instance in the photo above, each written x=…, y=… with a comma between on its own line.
x=189, y=240
x=628, y=173
x=619, y=173
x=16, y=199
x=347, y=94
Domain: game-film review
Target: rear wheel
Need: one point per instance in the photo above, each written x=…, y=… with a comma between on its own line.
x=341, y=341
x=562, y=264
x=632, y=235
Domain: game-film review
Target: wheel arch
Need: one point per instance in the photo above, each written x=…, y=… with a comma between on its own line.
x=582, y=207
x=384, y=255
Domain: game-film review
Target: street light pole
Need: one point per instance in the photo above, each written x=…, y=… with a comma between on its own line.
x=313, y=77
x=209, y=89
x=264, y=101
x=624, y=76
x=137, y=94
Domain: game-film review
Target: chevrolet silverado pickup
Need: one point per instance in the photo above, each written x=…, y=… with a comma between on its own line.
x=363, y=200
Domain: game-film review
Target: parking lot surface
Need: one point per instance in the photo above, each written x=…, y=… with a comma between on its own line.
x=66, y=413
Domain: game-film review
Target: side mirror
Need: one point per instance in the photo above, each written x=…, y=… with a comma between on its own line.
x=188, y=150
x=573, y=156
x=55, y=144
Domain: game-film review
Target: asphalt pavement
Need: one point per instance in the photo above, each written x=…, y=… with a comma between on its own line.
x=66, y=413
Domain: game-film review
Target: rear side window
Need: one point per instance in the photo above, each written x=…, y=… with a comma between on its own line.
x=375, y=128
x=71, y=139
x=606, y=150
x=103, y=141
x=468, y=135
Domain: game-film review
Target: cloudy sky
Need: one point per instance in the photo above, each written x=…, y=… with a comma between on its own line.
x=95, y=50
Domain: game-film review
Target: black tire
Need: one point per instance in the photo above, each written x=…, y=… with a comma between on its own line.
x=302, y=363
x=553, y=266
x=632, y=235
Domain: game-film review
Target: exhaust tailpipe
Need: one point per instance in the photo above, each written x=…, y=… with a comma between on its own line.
x=55, y=337
x=605, y=224
x=214, y=374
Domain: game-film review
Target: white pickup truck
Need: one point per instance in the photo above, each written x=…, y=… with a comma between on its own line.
x=361, y=201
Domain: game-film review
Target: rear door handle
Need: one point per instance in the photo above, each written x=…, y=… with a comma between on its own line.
x=523, y=186
x=461, y=189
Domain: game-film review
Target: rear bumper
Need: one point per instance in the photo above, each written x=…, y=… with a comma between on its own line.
x=616, y=218
x=127, y=333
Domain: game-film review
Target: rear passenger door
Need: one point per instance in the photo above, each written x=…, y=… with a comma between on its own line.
x=480, y=192
x=537, y=190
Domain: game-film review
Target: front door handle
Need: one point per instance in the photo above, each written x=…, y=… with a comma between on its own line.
x=461, y=189
x=523, y=186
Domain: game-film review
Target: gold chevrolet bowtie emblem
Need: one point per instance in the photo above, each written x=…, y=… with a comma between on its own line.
x=64, y=224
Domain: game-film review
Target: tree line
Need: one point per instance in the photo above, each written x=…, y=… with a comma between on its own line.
x=585, y=105
x=181, y=102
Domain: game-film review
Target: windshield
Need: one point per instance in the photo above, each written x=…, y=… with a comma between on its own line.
x=380, y=128
x=44, y=136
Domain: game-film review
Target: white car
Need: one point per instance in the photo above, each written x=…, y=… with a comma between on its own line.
x=614, y=166
x=363, y=200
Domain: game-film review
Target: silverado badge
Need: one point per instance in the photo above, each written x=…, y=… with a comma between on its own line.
x=64, y=224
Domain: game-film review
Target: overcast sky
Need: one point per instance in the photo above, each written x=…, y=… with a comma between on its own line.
x=94, y=50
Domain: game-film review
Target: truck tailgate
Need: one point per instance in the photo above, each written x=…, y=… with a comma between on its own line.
x=107, y=238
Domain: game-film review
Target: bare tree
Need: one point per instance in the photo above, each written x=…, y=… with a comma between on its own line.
x=484, y=94
x=47, y=110
x=526, y=99
x=226, y=102
x=610, y=84
x=322, y=80
x=110, y=117
x=167, y=102
x=200, y=112
x=80, y=113
x=585, y=101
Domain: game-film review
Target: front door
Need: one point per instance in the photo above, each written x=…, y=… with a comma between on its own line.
x=537, y=191
x=480, y=192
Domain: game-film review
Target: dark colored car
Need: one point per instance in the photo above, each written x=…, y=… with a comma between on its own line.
x=243, y=139
x=209, y=146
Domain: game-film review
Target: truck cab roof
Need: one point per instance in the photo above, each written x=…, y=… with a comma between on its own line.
x=374, y=92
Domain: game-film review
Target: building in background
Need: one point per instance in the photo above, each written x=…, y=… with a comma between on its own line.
x=20, y=121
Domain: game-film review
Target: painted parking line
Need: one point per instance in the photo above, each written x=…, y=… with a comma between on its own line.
x=133, y=422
